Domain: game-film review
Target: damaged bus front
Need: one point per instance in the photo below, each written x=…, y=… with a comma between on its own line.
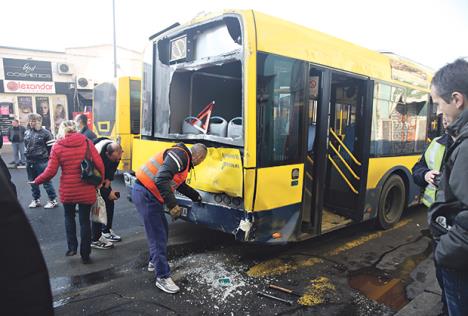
x=196, y=94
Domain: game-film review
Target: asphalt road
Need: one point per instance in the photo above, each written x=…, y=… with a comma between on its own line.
x=354, y=271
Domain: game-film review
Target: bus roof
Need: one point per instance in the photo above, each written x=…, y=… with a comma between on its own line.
x=281, y=37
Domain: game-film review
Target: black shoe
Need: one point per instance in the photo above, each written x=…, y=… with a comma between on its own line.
x=86, y=260
x=70, y=253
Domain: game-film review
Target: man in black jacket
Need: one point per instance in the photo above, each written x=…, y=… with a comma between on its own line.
x=111, y=153
x=449, y=91
x=38, y=142
x=82, y=121
x=24, y=280
x=5, y=171
x=16, y=137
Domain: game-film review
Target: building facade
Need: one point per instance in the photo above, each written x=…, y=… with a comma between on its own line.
x=57, y=84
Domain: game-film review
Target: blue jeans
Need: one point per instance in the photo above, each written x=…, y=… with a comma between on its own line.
x=18, y=153
x=34, y=169
x=85, y=228
x=456, y=291
x=156, y=227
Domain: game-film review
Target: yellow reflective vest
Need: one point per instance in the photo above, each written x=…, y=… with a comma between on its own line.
x=433, y=156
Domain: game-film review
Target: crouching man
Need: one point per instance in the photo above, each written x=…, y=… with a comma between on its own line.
x=111, y=153
x=155, y=185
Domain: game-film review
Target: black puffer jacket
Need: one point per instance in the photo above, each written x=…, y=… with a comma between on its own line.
x=452, y=198
x=38, y=144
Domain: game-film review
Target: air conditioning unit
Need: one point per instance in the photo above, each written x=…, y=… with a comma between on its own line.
x=84, y=83
x=64, y=69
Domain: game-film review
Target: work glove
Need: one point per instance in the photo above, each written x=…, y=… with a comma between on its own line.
x=198, y=200
x=175, y=212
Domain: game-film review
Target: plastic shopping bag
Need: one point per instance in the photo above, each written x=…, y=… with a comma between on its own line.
x=98, y=210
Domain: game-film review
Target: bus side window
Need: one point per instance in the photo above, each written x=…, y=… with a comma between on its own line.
x=311, y=137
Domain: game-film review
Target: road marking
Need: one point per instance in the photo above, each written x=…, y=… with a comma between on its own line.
x=287, y=263
x=362, y=240
x=281, y=265
x=317, y=290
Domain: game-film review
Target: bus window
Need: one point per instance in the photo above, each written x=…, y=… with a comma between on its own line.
x=399, y=121
x=280, y=93
x=194, y=68
x=135, y=88
x=104, y=110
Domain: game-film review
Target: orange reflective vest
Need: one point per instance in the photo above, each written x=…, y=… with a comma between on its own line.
x=148, y=172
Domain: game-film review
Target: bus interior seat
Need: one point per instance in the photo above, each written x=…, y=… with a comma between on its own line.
x=235, y=128
x=218, y=126
x=187, y=126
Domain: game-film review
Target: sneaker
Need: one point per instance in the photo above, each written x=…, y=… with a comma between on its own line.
x=21, y=166
x=112, y=236
x=102, y=243
x=150, y=267
x=167, y=285
x=35, y=203
x=51, y=204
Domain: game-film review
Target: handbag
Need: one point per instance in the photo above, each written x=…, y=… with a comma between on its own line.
x=89, y=173
x=98, y=210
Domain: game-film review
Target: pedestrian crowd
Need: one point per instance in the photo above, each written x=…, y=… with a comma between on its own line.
x=76, y=145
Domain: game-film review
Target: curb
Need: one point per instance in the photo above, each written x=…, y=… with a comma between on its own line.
x=425, y=304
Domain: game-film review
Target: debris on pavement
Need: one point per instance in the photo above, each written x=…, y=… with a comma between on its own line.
x=275, y=298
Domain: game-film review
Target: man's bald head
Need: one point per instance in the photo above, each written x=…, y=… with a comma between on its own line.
x=199, y=152
x=114, y=152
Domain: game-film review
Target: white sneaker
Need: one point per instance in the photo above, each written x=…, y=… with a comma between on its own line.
x=167, y=285
x=35, y=203
x=112, y=236
x=102, y=243
x=51, y=204
x=150, y=267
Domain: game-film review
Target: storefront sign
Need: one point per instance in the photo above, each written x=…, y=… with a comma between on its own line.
x=28, y=86
x=27, y=70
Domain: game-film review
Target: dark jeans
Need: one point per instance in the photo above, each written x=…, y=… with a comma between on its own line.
x=456, y=291
x=156, y=227
x=85, y=227
x=440, y=281
x=99, y=228
x=34, y=169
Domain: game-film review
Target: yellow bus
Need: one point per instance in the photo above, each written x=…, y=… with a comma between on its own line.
x=116, y=113
x=307, y=133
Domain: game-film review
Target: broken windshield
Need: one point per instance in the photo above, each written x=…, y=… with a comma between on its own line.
x=198, y=83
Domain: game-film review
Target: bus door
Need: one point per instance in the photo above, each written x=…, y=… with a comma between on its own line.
x=315, y=142
x=348, y=142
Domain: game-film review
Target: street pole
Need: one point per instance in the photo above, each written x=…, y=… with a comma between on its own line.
x=114, y=44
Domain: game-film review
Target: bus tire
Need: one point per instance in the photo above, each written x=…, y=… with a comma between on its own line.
x=391, y=202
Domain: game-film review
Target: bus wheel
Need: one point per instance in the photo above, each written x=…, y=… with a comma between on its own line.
x=391, y=202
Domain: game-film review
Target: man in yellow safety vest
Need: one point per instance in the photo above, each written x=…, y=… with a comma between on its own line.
x=426, y=172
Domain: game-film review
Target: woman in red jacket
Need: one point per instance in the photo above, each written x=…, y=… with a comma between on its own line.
x=68, y=152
